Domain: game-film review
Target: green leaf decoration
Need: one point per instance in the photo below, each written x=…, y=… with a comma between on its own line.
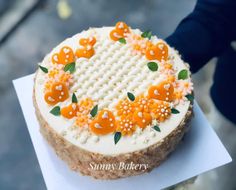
x=183, y=74
x=122, y=40
x=130, y=96
x=56, y=111
x=147, y=34
x=174, y=111
x=74, y=99
x=157, y=128
x=152, y=66
x=94, y=111
x=190, y=97
x=70, y=67
x=117, y=137
x=44, y=69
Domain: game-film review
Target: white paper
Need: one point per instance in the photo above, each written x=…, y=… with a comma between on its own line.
x=200, y=151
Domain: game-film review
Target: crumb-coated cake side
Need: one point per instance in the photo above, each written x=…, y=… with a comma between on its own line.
x=113, y=101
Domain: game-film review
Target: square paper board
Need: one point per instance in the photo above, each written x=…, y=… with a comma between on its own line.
x=200, y=151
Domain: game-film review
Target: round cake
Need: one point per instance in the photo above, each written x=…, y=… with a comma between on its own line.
x=113, y=101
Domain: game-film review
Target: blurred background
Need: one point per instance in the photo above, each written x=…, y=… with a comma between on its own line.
x=29, y=29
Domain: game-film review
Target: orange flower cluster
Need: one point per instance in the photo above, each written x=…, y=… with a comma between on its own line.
x=58, y=75
x=140, y=44
x=140, y=112
x=66, y=54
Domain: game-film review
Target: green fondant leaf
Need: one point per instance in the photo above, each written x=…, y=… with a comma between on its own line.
x=130, y=96
x=44, y=69
x=74, y=98
x=117, y=137
x=122, y=40
x=70, y=67
x=183, y=74
x=174, y=111
x=157, y=128
x=152, y=66
x=94, y=111
x=190, y=97
x=56, y=111
x=147, y=34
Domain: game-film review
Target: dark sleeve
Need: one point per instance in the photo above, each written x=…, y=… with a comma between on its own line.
x=206, y=32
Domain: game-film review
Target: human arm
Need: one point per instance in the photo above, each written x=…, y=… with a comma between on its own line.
x=206, y=32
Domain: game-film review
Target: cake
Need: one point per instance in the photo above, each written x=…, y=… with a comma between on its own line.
x=113, y=101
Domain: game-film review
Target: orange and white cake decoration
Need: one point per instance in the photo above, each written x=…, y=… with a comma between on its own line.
x=113, y=90
x=64, y=56
x=58, y=93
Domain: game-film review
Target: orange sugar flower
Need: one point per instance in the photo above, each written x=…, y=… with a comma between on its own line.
x=168, y=66
x=185, y=86
x=116, y=35
x=85, y=105
x=87, y=41
x=120, y=31
x=56, y=75
x=157, y=52
x=161, y=110
x=126, y=125
x=142, y=119
x=86, y=52
x=48, y=85
x=178, y=94
x=138, y=43
x=58, y=93
x=171, y=78
x=66, y=77
x=142, y=103
x=163, y=91
x=64, y=56
x=179, y=97
x=122, y=26
x=104, y=123
x=82, y=120
x=53, y=73
x=70, y=111
x=124, y=107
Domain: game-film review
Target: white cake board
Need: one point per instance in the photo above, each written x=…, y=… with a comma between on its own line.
x=200, y=151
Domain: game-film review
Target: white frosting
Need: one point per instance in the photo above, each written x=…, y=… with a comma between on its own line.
x=107, y=77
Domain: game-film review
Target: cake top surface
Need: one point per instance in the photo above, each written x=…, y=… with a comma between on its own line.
x=113, y=90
